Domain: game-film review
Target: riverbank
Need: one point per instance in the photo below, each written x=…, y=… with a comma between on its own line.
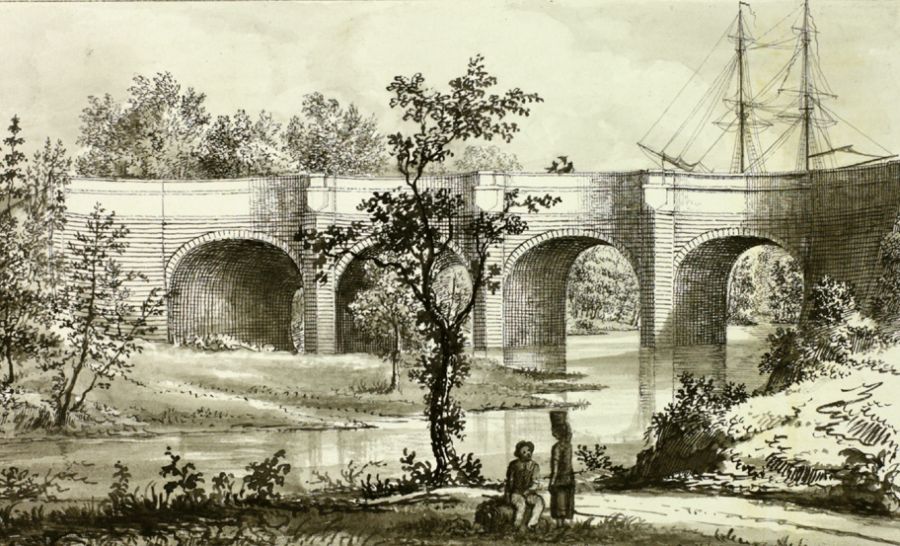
x=446, y=516
x=436, y=518
x=181, y=389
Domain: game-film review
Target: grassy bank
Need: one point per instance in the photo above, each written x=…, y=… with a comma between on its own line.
x=432, y=521
x=176, y=388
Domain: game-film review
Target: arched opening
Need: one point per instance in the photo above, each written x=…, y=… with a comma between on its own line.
x=242, y=288
x=730, y=293
x=536, y=296
x=452, y=281
x=571, y=303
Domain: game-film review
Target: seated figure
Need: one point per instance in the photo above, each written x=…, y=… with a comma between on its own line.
x=521, y=485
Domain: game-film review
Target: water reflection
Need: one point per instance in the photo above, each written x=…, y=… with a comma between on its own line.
x=637, y=383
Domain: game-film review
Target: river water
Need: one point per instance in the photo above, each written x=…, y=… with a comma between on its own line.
x=615, y=416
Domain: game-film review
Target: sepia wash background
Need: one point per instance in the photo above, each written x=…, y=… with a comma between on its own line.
x=606, y=69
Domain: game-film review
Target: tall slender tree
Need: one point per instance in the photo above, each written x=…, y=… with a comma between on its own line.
x=415, y=227
x=33, y=210
x=99, y=323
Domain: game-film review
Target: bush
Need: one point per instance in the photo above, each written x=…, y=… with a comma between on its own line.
x=264, y=477
x=870, y=482
x=350, y=477
x=596, y=460
x=420, y=475
x=833, y=331
x=186, y=480
x=20, y=485
x=682, y=437
x=224, y=342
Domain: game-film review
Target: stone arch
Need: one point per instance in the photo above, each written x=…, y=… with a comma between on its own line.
x=534, y=295
x=526, y=246
x=702, y=269
x=349, y=279
x=231, y=234
x=236, y=283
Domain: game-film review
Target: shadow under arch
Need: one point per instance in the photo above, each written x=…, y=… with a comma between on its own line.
x=240, y=284
x=349, y=276
x=535, y=281
x=702, y=271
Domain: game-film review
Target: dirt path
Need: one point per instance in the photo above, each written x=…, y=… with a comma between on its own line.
x=755, y=521
x=752, y=520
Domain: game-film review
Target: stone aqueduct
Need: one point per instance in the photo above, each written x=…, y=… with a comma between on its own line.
x=224, y=249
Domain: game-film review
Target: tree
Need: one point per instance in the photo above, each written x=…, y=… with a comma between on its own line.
x=332, y=140
x=602, y=286
x=486, y=158
x=99, y=325
x=743, y=292
x=238, y=146
x=34, y=209
x=886, y=300
x=832, y=326
x=386, y=311
x=415, y=227
x=154, y=135
x=785, y=289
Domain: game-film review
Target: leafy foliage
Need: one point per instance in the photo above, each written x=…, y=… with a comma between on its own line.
x=20, y=485
x=765, y=284
x=885, y=304
x=236, y=146
x=264, y=477
x=595, y=459
x=184, y=479
x=418, y=475
x=385, y=313
x=603, y=286
x=154, y=134
x=415, y=227
x=682, y=437
x=829, y=334
x=486, y=158
x=99, y=325
x=333, y=140
x=34, y=212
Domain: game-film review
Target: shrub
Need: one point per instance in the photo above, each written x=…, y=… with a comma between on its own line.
x=870, y=482
x=225, y=342
x=682, y=437
x=264, y=477
x=187, y=480
x=833, y=330
x=350, y=477
x=596, y=460
x=223, y=489
x=20, y=485
x=418, y=475
x=118, y=490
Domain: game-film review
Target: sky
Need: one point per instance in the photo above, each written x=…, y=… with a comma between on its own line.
x=607, y=70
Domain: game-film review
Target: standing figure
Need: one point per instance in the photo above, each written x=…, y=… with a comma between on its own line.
x=562, y=475
x=521, y=485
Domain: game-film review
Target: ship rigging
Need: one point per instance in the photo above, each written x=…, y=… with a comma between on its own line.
x=799, y=108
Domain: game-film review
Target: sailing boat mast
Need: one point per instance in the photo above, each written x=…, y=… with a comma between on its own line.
x=805, y=91
x=742, y=119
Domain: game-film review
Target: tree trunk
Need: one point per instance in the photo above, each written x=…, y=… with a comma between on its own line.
x=395, y=361
x=441, y=443
x=10, y=368
x=441, y=440
x=63, y=403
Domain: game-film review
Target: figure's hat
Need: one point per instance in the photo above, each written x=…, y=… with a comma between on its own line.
x=559, y=418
